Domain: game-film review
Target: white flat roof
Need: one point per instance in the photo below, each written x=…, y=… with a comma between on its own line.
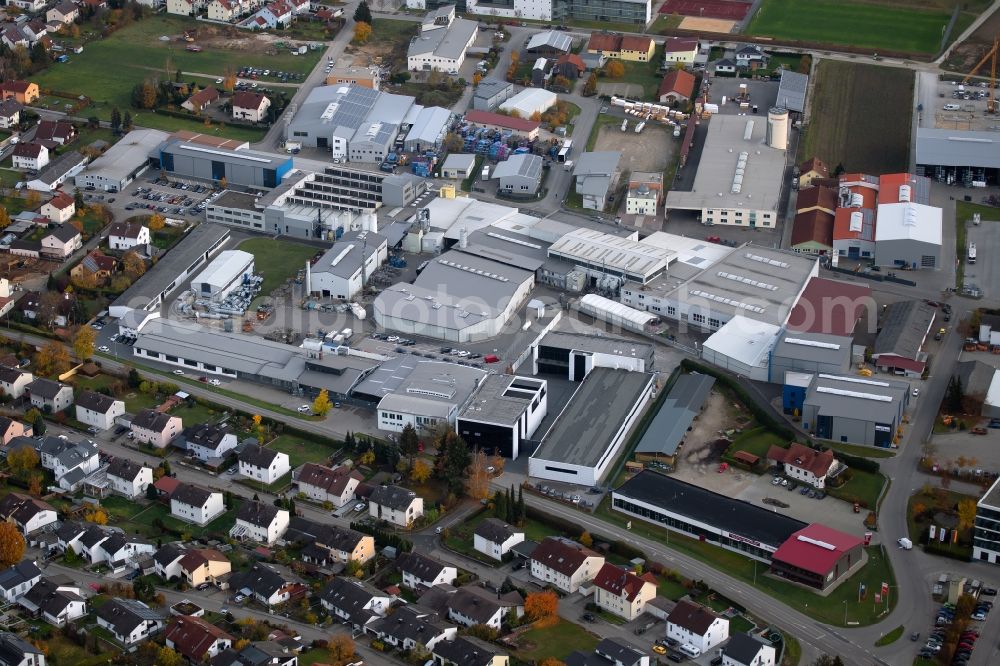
x=619, y=254
x=908, y=221
x=993, y=394
x=691, y=251
x=746, y=340
x=225, y=268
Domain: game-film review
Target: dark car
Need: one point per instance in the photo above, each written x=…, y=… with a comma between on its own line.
x=589, y=617
x=988, y=591
x=674, y=657
x=915, y=636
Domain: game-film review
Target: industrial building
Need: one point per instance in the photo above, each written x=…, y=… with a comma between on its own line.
x=199, y=244
x=519, y=176
x=586, y=437
x=954, y=156
x=595, y=176
x=344, y=270
x=458, y=166
x=743, y=347
x=612, y=259
x=499, y=122
x=191, y=159
x=819, y=557
x=666, y=431
x=441, y=42
x=792, y=90
x=503, y=414
x=409, y=390
x=832, y=307
x=986, y=532
x=904, y=328
x=123, y=162
x=909, y=235
x=754, y=531
x=530, y=101
x=810, y=352
x=226, y=272
x=490, y=93
x=573, y=355
x=859, y=410
x=458, y=297
x=854, y=221
x=638, y=12
x=359, y=124
x=740, y=172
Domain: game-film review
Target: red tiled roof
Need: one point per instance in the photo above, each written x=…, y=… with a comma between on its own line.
x=193, y=636
x=334, y=481
x=695, y=618
x=842, y=226
x=61, y=201
x=561, y=556
x=797, y=455
x=28, y=149
x=679, y=82
x=830, y=306
x=679, y=44
x=16, y=86
x=802, y=550
x=814, y=164
x=824, y=197
x=604, y=41
x=572, y=59
x=894, y=361
x=635, y=43
x=197, y=557
x=167, y=485
x=888, y=186
x=204, y=96
x=615, y=580
x=248, y=100
x=815, y=226
x=500, y=120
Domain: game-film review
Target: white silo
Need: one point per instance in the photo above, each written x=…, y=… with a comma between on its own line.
x=777, y=128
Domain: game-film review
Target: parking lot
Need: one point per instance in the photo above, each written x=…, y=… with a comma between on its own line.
x=167, y=197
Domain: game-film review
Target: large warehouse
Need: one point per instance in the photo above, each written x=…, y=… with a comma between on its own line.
x=858, y=410
x=458, y=297
x=810, y=352
x=955, y=156
x=588, y=434
x=344, y=270
x=504, y=414
x=238, y=167
x=603, y=256
x=119, y=166
x=226, y=272
x=573, y=355
x=908, y=235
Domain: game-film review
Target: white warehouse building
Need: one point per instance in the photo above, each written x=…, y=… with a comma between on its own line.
x=226, y=272
x=345, y=268
x=530, y=101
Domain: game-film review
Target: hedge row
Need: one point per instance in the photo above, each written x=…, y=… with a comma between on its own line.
x=857, y=462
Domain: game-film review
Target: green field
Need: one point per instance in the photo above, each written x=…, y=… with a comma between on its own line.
x=301, y=450
x=277, y=260
x=870, y=25
x=556, y=641
x=108, y=69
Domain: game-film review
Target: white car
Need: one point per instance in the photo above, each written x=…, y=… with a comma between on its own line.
x=178, y=372
x=304, y=409
x=215, y=382
x=103, y=348
x=462, y=353
x=776, y=481
x=114, y=337
x=916, y=392
x=239, y=598
x=218, y=81
x=360, y=506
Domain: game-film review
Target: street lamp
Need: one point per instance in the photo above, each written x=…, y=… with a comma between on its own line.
x=845, y=612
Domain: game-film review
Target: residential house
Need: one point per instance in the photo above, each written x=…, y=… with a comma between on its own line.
x=804, y=464
x=645, y=192
x=56, y=604
x=30, y=156
x=208, y=442
x=693, y=624
x=167, y=561
x=10, y=113
x=473, y=605
x=204, y=565
x=15, y=651
x=96, y=264
x=354, y=602
x=724, y=66
x=28, y=513
x=751, y=57
x=47, y=394
x=622, y=592
x=30, y=6
x=570, y=66
x=98, y=410
x=129, y=621
x=326, y=545
x=275, y=15
x=155, y=428
x=202, y=99
x=810, y=170
x=13, y=381
x=495, y=538
x=12, y=36
x=264, y=465
x=266, y=586
x=633, y=48
x=748, y=650
x=70, y=462
x=676, y=88
x=250, y=106
x=11, y=429
x=35, y=29
x=60, y=208
x=196, y=504
x=411, y=627
x=196, y=638
x=420, y=571
x=65, y=12
x=395, y=505
x=59, y=132
x=812, y=232
x=23, y=92
x=61, y=242
x=564, y=564
x=83, y=539
x=125, y=236
x=224, y=10
x=18, y=579
x=261, y=653
x=679, y=50
x=119, y=550
x=260, y=522
x=323, y=484
x=46, y=313
x=185, y=7
x=129, y=479
x=596, y=175
x=468, y=651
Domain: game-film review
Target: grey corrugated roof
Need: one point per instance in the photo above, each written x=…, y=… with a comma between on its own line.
x=598, y=163
x=795, y=346
x=857, y=407
x=350, y=263
x=490, y=87
x=676, y=414
x=462, y=161
x=947, y=147
x=447, y=42
x=525, y=166
x=792, y=90
x=129, y=153
x=905, y=325
x=560, y=41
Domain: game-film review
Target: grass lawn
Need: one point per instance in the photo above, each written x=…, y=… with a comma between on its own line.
x=273, y=488
x=863, y=487
x=646, y=74
x=793, y=651
x=64, y=652
x=165, y=238
x=665, y=21
x=108, y=69
x=965, y=209
x=872, y=25
x=136, y=401
x=301, y=450
x=943, y=501
x=671, y=590
x=314, y=656
x=389, y=32
x=829, y=609
x=557, y=641
x=120, y=508
x=197, y=413
x=890, y=637
x=94, y=383
x=460, y=537
x=277, y=260
x=756, y=441
x=740, y=625
x=861, y=451
x=92, y=223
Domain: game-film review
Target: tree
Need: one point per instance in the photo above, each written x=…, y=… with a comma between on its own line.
x=155, y=222
x=586, y=540
x=223, y=183
x=38, y=425
x=168, y=657
x=4, y=217
x=83, y=342
x=500, y=506
x=322, y=405
x=954, y=396
x=590, y=87
x=128, y=123
x=11, y=545
x=134, y=378
x=827, y=660
x=135, y=266
x=116, y=120
x=966, y=514
x=341, y=648
x=409, y=442
x=229, y=79
x=614, y=69
x=120, y=283
x=97, y=516
x=368, y=457
x=522, y=513
x=541, y=606
x=363, y=14
x=478, y=486
x=452, y=461
x=151, y=492
x=551, y=661
x=146, y=95
x=420, y=471
x=52, y=359
x=22, y=460
x=33, y=200
x=805, y=64
x=562, y=83
x=362, y=32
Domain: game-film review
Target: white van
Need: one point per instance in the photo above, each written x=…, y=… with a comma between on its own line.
x=951, y=107
x=690, y=650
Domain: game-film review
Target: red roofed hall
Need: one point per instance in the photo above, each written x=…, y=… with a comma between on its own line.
x=831, y=307
x=677, y=86
x=819, y=557
x=528, y=128
x=812, y=232
x=898, y=187
x=804, y=464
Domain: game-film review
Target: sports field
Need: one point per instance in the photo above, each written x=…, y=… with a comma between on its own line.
x=108, y=69
x=871, y=25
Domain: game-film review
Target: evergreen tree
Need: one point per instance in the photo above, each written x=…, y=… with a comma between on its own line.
x=363, y=14
x=38, y=426
x=500, y=509
x=128, y=124
x=409, y=442
x=955, y=395
x=116, y=120
x=522, y=513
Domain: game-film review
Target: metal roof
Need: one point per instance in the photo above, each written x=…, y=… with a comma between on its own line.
x=613, y=253
x=814, y=347
x=524, y=166
x=909, y=221
x=344, y=259
x=430, y=125
x=678, y=410
x=435, y=381
x=792, y=90
x=748, y=341
x=857, y=398
x=559, y=41
x=122, y=158
x=461, y=161
x=947, y=147
x=502, y=399
x=445, y=43
x=905, y=325
x=225, y=268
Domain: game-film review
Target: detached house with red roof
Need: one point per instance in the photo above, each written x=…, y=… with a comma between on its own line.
x=59, y=208
x=810, y=170
x=323, y=484
x=250, y=106
x=679, y=49
x=623, y=593
x=819, y=557
x=804, y=464
x=677, y=86
x=24, y=92
x=694, y=625
x=196, y=639
x=564, y=564
x=201, y=100
x=633, y=48
x=31, y=156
